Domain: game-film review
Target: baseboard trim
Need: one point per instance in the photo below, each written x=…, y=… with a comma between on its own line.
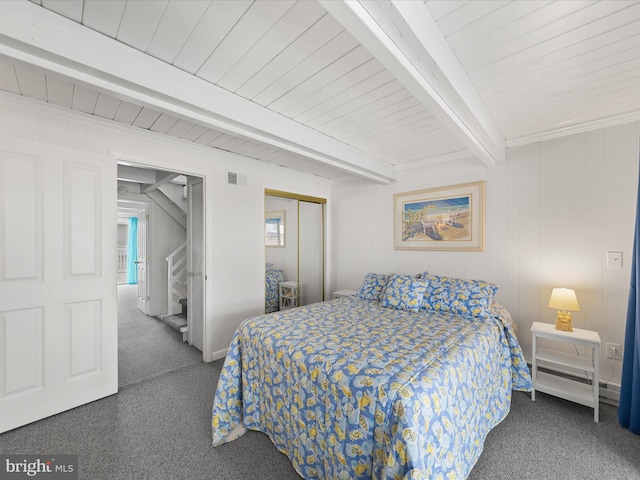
x=219, y=354
x=610, y=393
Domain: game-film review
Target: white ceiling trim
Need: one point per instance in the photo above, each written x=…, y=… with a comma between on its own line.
x=39, y=37
x=574, y=129
x=427, y=68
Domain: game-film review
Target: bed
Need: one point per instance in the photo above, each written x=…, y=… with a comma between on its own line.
x=383, y=385
x=273, y=277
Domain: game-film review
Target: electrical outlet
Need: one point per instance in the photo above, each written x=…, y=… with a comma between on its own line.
x=614, y=351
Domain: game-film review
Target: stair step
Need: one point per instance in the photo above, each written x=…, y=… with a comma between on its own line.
x=183, y=302
x=177, y=322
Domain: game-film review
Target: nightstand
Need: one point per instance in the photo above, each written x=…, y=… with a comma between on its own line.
x=343, y=293
x=556, y=385
x=290, y=294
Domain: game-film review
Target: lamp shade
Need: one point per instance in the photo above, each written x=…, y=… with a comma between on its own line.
x=564, y=299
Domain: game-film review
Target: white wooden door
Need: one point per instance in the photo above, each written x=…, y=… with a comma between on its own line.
x=195, y=264
x=141, y=261
x=58, y=297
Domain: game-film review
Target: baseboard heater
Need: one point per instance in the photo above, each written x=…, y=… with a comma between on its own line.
x=609, y=392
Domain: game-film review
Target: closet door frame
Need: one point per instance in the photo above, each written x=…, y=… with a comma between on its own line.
x=309, y=199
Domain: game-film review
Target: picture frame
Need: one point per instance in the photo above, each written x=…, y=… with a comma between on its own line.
x=448, y=218
x=275, y=229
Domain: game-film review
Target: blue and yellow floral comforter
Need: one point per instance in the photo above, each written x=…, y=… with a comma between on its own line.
x=349, y=389
x=272, y=279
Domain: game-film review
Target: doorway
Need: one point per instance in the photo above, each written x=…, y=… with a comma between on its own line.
x=132, y=248
x=161, y=315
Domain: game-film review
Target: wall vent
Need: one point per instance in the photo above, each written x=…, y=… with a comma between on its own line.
x=232, y=178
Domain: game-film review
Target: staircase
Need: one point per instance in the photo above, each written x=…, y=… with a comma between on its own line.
x=177, y=290
x=177, y=278
x=178, y=321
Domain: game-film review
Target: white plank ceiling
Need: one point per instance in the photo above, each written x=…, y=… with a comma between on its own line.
x=328, y=87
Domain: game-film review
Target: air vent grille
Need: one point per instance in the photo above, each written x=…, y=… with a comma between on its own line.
x=232, y=178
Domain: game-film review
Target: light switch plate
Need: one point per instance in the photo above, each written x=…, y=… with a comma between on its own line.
x=614, y=259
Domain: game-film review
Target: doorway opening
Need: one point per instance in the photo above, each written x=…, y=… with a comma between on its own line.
x=160, y=291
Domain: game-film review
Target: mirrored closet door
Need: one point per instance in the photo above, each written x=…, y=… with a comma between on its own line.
x=294, y=250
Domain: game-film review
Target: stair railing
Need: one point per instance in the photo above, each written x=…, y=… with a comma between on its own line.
x=177, y=278
x=122, y=258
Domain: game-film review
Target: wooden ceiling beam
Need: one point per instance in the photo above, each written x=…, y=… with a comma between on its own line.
x=405, y=38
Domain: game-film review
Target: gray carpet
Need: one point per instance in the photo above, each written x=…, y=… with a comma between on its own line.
x=156, y=429
x=147, y=347
x=553, y=438
x=160, y=429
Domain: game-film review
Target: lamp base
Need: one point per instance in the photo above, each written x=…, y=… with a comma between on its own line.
x=564, y=322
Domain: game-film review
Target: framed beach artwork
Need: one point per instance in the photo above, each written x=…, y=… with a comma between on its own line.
x=275, y=228
x=444, y=218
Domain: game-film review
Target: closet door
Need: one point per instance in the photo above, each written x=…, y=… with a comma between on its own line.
x=301, y=255
x=311, y=251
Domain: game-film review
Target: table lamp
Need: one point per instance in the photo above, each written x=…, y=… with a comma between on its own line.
x=564, y=300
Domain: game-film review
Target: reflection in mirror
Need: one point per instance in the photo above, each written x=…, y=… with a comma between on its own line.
x=281, y=262
x=274, y=229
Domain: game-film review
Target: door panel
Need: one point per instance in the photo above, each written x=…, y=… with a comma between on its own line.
x=20, y=176
x=23, y=357
x=83, y=327
x=310, y=251
x=141, y=261
x=58, y=315
x=195, y=261
x=81, y=220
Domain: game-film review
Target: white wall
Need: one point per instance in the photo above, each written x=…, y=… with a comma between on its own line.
x=235, y=253
x=553, y=211
x=123, y=234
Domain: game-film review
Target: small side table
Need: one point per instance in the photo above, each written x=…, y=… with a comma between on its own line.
x=343, y=293
x=290, y=294
x=568, y=389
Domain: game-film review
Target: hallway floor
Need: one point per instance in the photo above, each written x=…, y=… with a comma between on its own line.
x=147, y=347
